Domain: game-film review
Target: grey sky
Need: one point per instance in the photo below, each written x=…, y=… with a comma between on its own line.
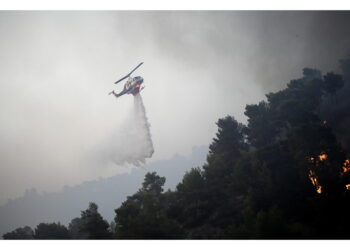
x=56, y=69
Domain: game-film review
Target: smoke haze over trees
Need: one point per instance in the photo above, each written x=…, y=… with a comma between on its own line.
x=283, y=175
x=56, y=68
x=108, y=193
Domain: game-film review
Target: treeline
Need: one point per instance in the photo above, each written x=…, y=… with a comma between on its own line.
x=90, y=225
x=284, y=175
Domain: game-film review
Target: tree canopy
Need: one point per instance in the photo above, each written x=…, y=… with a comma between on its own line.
x=51, y=231
x=283, y=175
x=93, y=225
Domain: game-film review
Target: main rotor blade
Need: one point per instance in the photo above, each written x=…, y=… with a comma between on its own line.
x=122, y=79
x=135, y=68
x=129, y=73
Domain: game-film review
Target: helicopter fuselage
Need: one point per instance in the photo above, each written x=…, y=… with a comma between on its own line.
x=133, y=85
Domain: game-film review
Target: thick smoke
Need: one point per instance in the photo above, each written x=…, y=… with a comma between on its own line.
x=132, y=142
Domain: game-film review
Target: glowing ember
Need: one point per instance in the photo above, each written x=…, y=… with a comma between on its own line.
x=315, y=160
x=323, y=157
x=311, y=159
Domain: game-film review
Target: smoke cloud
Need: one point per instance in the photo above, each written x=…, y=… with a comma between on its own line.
x=131, y=142
x=58, y=127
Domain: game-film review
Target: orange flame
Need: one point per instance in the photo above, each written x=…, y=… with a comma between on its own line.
x=312, y=174
x=346, y=166
x=314, y=181
x=323, y=157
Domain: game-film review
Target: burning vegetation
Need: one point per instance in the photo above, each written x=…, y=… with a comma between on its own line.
x=312, y=175
x=320, y=158
x=314, y=181
x=346, y=166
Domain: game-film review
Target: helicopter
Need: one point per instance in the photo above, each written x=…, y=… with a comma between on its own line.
x=132, y=85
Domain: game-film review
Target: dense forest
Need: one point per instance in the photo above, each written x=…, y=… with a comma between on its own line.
x=284, y=175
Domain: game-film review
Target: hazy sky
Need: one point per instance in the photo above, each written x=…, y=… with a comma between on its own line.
x=56, y=69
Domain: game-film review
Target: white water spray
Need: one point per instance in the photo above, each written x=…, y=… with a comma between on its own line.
x=143, y=126
x=132, y=142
